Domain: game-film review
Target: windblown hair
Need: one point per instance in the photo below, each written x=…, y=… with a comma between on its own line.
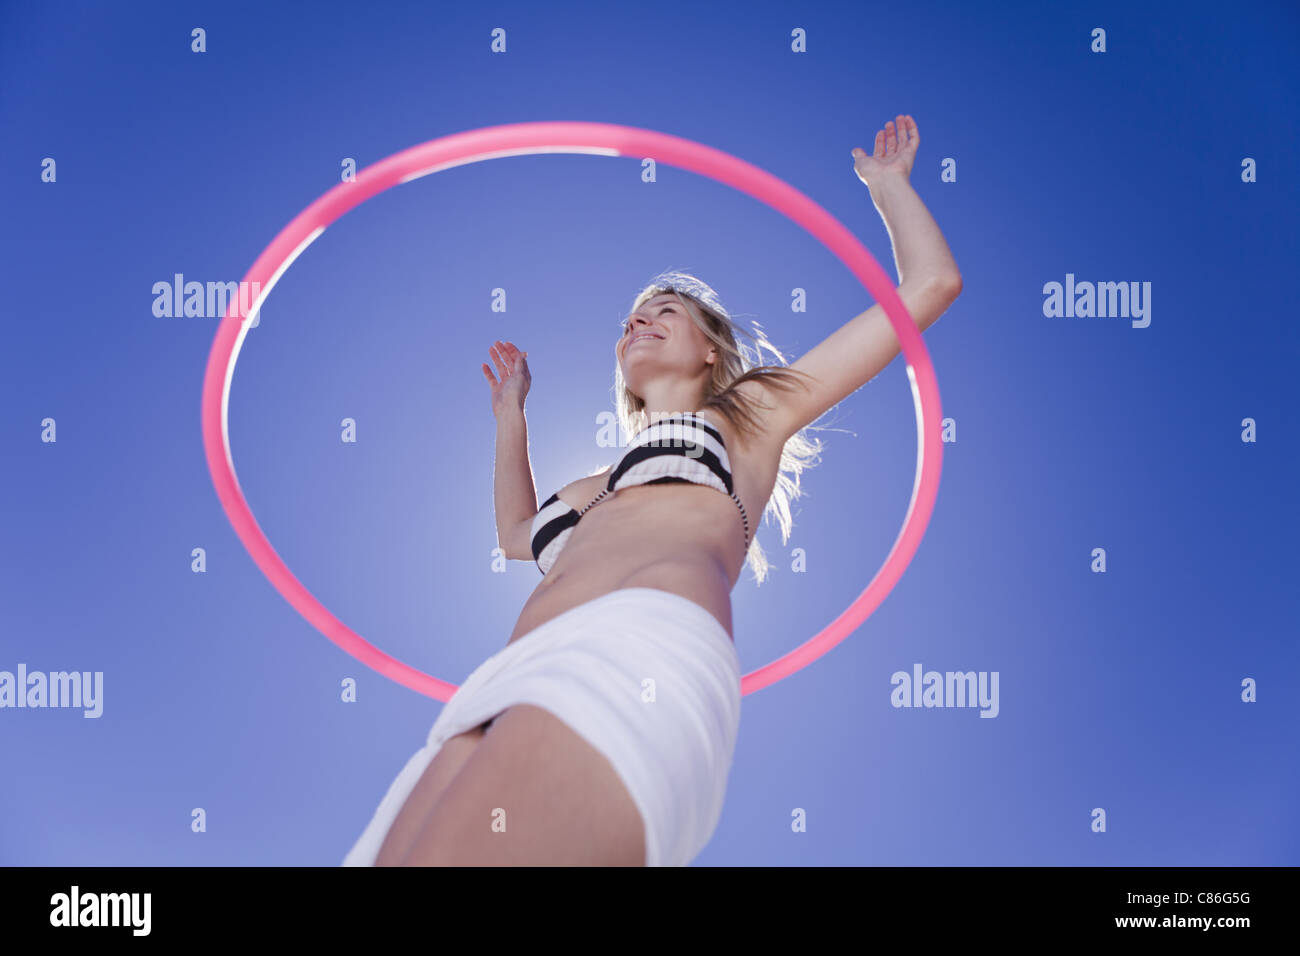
x=737, y=363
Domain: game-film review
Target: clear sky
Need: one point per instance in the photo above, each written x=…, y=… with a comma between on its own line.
x=1042, y=160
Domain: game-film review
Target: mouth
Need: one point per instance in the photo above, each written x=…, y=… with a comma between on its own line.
x=643, y=335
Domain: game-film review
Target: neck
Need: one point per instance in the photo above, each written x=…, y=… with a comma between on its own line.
x=671, y=398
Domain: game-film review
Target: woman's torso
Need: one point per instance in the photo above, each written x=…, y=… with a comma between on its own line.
x=683, y=538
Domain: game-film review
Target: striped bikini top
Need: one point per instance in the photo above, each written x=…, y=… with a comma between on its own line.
x=683, y=449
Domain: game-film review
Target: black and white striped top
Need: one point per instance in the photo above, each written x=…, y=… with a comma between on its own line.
x=683, y=449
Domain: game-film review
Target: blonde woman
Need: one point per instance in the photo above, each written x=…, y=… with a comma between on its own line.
x=603, y=733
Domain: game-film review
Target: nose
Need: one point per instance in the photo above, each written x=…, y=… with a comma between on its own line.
x=637, y=321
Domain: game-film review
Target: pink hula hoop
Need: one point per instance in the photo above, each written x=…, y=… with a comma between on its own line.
x=602, y=139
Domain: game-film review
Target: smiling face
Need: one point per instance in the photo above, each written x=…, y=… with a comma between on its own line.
x=661, y=339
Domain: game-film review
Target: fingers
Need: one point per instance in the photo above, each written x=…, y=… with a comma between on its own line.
x=908, y=135
x=506, y=357
x=509, y=350
x=487, y=374
x=899, y=134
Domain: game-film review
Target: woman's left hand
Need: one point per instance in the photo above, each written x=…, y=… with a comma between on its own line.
x=895, y=152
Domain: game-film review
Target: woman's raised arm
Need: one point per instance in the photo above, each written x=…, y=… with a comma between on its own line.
x=929, y=282
x=515, y=493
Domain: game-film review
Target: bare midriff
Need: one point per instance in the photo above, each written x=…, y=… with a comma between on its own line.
x=675, y=538
x=685, y=539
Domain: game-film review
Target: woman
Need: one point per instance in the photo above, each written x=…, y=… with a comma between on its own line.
x=603, y=733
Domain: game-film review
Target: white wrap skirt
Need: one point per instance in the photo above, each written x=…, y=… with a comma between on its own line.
x=649, y=678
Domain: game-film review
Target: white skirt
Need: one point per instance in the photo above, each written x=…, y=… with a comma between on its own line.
x=649, y=678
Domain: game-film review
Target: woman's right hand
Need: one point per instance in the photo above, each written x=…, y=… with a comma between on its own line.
x=509, y=391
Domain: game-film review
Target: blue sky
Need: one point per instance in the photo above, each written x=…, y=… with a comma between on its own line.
x=1119, y=690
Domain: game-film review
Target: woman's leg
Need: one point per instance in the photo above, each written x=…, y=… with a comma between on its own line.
x=533, y=792
x=446, y=763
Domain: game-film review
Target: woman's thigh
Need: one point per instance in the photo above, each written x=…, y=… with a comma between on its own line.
x=534, y=792
x=446, y=763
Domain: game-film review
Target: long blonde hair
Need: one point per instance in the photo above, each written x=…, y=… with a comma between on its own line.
x=738, y=364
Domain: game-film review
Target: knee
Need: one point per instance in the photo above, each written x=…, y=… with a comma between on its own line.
x=449, y=852
x=445, y=840
x=427, y=857
x=431, y=849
